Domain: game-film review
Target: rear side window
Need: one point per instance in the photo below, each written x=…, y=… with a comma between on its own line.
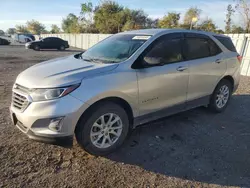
x=227, y=42
x=166, y=51
x=55, y=40
x=196, y=48
x=58, y=40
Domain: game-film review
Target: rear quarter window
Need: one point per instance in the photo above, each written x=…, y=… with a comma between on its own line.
x=196, y=48
x=214, y=49
x=227, y=42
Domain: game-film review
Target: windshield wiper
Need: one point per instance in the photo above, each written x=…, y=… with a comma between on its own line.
x=96, y=60
x=86, y=59
x=92, y=60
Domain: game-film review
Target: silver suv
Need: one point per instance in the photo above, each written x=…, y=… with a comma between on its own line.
x=126, y=80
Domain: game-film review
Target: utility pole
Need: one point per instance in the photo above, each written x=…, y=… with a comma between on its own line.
x=191, y=25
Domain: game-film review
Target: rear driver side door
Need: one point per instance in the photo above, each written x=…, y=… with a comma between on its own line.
x=56, y=43
x=163, y=87
x=206, y=67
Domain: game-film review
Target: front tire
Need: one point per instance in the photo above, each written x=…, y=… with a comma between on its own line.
x=36, y=47
x=221, y=96
x=103, y=129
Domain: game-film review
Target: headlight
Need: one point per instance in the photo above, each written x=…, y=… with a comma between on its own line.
x=54, y=93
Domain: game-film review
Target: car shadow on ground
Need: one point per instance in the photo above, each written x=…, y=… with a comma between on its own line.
x=195, y=145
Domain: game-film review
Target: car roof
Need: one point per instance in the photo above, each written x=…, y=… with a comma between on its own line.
x=165, y=31
x=3, y=39
x=52, y=38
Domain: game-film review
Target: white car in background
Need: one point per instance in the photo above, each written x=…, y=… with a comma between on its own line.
x=23, y=38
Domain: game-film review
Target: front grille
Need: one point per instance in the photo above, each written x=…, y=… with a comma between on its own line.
x=20, y=102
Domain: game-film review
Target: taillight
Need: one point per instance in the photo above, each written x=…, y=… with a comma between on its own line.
x=239, y=57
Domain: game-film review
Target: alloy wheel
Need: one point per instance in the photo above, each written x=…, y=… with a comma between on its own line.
x=222, y=96
x=106, y=130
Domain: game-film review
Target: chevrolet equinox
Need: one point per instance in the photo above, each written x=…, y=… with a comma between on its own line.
x=123, y=81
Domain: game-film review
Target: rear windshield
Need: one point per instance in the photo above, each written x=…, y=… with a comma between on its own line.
x=227, y=42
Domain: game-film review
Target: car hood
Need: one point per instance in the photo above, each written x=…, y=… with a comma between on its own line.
x=32, y=42
x=60, y=72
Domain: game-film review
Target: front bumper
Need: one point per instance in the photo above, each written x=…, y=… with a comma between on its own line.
x=28, y=46
x=34, y=121
x=65, y=141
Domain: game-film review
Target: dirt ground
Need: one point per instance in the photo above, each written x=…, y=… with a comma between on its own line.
x=191, y=149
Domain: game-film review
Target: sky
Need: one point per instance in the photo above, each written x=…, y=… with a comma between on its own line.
x=16, y=12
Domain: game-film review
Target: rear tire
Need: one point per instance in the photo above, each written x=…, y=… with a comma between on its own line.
x=221, y=96
x=96, y=130
x=62, y=48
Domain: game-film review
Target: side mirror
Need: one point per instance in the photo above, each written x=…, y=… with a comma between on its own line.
x=152, y=60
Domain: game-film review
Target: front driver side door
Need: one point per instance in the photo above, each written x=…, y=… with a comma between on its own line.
x=46, y=44
x=163, y=88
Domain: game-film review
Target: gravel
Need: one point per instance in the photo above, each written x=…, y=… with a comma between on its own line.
x=191, y=149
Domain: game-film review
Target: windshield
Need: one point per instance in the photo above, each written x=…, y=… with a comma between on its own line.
x=115, y=49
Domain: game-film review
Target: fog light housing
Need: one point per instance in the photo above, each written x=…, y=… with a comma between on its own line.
x=55, y=124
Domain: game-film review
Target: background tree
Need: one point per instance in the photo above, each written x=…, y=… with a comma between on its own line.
x=228, y=21
x=86, y=18
x=243, y=7
x=191, y=13
x=87, y=12
x=35, y=27
x=55, y=29
x=184, y=26
x=11, y=31
x=134, y=19
x=219, y=31
x=171, y=20
x=21, y=29
x=108, y=16
x=123, y=19
x=207, y=25
x=152, y=23
x=70, y=24
x=237, y=29
x=45, y=32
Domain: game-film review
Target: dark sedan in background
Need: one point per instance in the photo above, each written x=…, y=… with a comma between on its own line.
x=4, y=41
x=48, y=43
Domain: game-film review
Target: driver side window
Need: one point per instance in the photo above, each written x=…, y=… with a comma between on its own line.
x=47, y=40
x=165, y=51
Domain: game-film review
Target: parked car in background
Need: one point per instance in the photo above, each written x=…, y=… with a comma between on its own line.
x=48, y=43
x=30, y=36
x=4, y=41
x=23, y=38
x=124, y=81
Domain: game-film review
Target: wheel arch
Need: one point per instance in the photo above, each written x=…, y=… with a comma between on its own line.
x=229, y=78
x=117, y=100
x=226, y=77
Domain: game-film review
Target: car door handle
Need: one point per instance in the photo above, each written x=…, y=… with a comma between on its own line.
x=181, y=68
x=218, y=61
